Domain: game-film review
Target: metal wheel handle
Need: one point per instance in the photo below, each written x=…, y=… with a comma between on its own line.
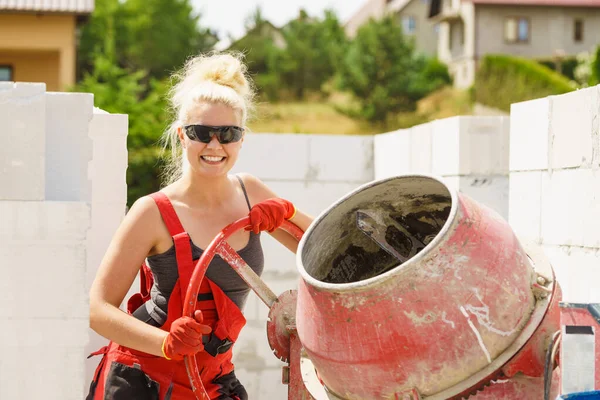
x=220, y=246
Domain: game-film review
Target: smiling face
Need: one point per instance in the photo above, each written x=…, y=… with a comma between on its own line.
x=211, y=159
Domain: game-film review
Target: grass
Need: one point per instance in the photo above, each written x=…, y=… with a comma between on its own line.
x=444, y=103
x=310, y=117
x=321, y=117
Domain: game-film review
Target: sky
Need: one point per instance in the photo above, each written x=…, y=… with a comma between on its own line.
x=227, y=17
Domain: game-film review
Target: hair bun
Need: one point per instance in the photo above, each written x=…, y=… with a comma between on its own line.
x=225, y=70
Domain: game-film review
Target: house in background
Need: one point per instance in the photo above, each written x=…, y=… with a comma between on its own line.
x=38, y=40
x=413, y=15
x=264, y=30
x=539, y=29
x=371, y=9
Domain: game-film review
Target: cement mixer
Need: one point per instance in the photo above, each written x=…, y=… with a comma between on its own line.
x=409, y=290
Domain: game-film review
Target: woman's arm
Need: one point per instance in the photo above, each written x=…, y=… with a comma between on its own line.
x=132, y=242
x=258, y=191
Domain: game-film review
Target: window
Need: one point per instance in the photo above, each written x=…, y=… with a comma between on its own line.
x=516, y=30
x=578, y=31
x=6, y=73
x=409, y=25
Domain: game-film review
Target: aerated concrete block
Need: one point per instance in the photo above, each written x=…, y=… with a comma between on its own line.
x=54, y=278
x=525, y=203
x=572, y=125
x=23, y=130
x=271, y=386
x=420, y=148
x=107, y=170
x=392, y=154
x=340, y=158
x=274, y=156
x=470, y=146
x=42, y=372
x=34, y=221
x=489, y=190
x=530, y=135
x=68, y=146
x=571, y=208
x=445, y=147
x=577, y=271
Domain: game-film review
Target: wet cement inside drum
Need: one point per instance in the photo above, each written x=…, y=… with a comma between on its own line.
x=357, y=263
x=423, y=225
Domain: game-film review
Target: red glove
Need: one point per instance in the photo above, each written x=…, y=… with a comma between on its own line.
x=268, y=215
x=185, y=337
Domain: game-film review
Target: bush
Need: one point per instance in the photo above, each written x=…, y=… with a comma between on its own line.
x=437, y=73
x=566, y=67
x=145, y=167
x=503, y=80
x=595, y=75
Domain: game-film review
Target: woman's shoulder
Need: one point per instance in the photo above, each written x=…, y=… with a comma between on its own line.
x=144, y=210
x=257, y=190
x=249, y=179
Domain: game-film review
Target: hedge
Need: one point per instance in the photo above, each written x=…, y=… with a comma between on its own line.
x=502, y=80
x=567, y=65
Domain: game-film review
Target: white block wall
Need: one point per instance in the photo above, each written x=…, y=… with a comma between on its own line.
x=107, y=172
x=471, y=153
x=312, y=171
x=555, y=185
x=63, y=192
x=22, y=119
x=51, y=228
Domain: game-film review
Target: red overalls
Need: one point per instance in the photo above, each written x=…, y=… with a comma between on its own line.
x=124, y=373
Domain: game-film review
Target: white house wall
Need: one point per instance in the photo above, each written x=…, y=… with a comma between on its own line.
x=552, y=30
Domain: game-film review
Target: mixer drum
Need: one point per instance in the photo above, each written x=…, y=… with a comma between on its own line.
x=428, y=291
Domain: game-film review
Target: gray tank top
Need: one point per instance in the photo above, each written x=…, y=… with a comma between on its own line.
x=164, y=270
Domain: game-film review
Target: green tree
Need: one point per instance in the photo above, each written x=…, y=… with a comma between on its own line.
x=152, y=35
x=381, y=70
x=162, y=34
x=312, y=50
x=119, y=90
x=105, y=20
x=257, y=42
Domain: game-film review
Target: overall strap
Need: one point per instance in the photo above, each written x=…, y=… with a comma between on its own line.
x=181, y=240
x=167, y=213
x=244, y=190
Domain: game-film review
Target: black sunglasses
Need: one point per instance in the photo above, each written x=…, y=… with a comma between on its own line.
x=204, y=133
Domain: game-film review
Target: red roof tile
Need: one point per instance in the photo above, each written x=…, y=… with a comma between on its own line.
x=70, y=6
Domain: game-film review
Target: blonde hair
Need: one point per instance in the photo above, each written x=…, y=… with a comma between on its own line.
x=210, y=78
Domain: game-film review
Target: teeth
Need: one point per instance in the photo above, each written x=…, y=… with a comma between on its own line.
x=213, y=159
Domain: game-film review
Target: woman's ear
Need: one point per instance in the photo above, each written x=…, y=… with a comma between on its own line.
x=180, y=136
x=244, y=135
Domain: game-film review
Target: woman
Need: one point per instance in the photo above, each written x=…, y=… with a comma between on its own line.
x=169, y=229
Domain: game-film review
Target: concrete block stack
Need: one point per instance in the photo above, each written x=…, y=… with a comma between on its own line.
x=471, y=153
x=47, y=214
x=555, y=185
